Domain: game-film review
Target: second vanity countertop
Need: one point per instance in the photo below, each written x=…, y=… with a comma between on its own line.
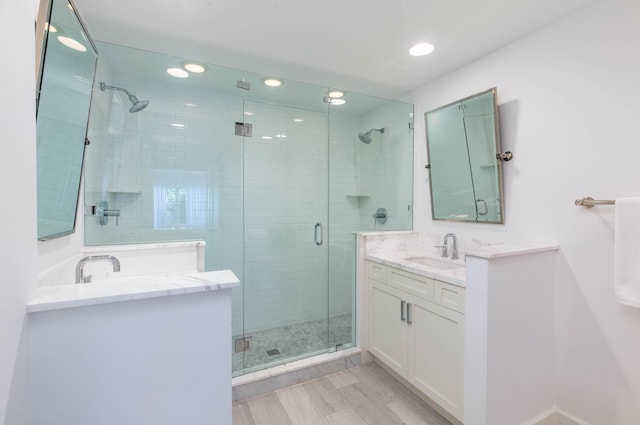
x=130, y=288
x=455, y=272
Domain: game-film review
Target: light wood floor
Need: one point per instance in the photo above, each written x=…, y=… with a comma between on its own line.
x=363, y=395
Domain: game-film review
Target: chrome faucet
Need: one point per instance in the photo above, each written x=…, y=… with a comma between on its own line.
x=81, y=278
x=454, y=249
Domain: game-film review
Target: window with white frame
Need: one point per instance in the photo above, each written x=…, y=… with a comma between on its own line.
x=180, y=199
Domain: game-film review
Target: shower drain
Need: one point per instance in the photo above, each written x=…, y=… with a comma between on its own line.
x=273, y=352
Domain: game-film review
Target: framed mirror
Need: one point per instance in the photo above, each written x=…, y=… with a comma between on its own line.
x=465, y=170
x=65, y=84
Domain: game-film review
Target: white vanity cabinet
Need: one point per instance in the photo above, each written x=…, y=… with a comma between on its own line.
x=388, y=331
x=416, y=328
x=133, y=350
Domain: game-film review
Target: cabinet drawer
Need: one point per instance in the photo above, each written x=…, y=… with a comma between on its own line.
x=450, y=296
x=414, y=284
x=376, y=271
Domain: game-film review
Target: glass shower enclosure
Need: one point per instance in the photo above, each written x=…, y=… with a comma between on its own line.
x=274, y=179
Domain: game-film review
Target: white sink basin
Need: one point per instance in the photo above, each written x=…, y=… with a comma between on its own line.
x=435, y=263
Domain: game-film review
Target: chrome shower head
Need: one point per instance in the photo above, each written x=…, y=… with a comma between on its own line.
x=137, y=105
x=366, y=137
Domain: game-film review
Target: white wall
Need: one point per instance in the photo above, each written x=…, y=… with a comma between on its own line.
x=569, y=108
x=18, y=212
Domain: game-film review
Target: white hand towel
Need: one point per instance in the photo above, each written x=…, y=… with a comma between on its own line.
x=627, y=251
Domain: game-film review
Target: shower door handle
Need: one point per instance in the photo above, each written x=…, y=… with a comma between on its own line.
x=315, y=233
x=486, y=208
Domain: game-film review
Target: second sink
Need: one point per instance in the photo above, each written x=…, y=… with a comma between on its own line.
x=434, y=263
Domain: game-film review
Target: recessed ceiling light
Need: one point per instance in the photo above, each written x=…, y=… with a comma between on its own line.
x=190, y=104
x=298, y=120
x=421, y=49
x=177, y=72
x=272, y=82
x=281, y=136
x=267, y=137
x=336, y=93
x=248, y=113
x=177, y=125
x=195, y=67
x=71, y=43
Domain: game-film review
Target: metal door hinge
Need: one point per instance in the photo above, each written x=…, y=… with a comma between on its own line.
x=243, y=344
x=244, y=85
x=244, y=129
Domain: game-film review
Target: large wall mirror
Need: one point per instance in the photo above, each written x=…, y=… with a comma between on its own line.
x=64, y=94
x=465, y=169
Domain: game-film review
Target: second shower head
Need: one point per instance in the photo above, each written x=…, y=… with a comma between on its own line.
x=366, y=137
x=137, y=105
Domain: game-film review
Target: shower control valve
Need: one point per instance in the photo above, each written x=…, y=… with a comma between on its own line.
x=380, y=216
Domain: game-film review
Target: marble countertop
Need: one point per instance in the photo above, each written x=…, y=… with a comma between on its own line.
x=456, y=275
x=143, y=246
x=506, y=249
x=129, y=288
x=454, y=271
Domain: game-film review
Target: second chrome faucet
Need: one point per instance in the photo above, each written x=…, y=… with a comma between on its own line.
x=445, y=246
x=81, y=278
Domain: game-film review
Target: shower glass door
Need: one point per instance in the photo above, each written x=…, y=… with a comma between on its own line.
x=285, y=286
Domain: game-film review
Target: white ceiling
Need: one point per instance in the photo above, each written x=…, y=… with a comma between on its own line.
x=359, y=45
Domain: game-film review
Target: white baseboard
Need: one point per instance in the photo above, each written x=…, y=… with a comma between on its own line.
x=550, y=417
x=554, y=417
x=566, y=419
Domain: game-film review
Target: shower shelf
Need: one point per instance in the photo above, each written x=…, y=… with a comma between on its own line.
x=132, y=191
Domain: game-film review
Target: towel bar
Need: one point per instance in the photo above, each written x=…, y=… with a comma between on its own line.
x=589, y=202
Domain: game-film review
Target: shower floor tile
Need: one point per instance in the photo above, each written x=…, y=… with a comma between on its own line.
x=278, y=345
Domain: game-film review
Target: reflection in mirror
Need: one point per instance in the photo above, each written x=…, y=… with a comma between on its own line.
x=465, y=173
x=63, y=100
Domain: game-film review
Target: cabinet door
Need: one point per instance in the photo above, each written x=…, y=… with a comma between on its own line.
x=436, y=354
x=387, y=329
